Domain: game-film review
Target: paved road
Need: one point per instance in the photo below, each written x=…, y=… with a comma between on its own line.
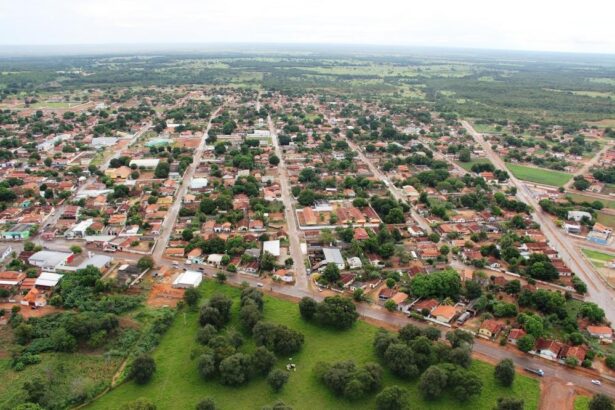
x=301, y=276
x=169, y=220
x=422, y=222
x=598, y=291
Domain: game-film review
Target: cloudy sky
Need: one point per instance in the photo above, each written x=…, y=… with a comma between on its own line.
x=562, y=25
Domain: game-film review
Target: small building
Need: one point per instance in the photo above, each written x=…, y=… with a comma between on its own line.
x=334, y=255
x=11, y=279
x=188, y=279
x=515, y=334
x=215, y=259
x=19, y=232
x=5, y=251
x=549, y=349
x=50, y=260
x=47, y=280
x=604, y=333
x=572, y=228
x=273, y=247
x=489, y=329
x=354, y=262
x=198, y=183
x=577, y=216
x=444, y=313
x=147, y=163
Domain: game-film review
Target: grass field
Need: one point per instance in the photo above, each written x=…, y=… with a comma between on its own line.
x=176, y=384
x=597, y=258
x=581, y=403
x=539, y=175
x=606, y=219
x=586, y=198
x=468, y=165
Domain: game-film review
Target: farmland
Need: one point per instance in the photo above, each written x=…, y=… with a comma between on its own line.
x=539, y=175
x=178, y=385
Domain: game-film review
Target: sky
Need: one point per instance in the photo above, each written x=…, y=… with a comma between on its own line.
x=541, y=25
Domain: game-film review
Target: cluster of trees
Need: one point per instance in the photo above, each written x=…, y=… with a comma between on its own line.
x=440, y=284
x=348, y=380
x=334, y=311
x=415, y=352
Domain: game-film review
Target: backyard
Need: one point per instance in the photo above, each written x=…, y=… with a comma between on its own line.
x=176, y=384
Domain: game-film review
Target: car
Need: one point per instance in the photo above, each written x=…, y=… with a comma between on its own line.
x=597, y=382
x=260, y=285
x=202, y=269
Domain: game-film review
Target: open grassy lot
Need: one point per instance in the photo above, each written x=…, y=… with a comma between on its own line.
x=468, y=165
x=581, y=403
x=606, y=219
x=586, y=198
x=539, y=175
x=65, y=375
x=597, y=258
x=177, y=385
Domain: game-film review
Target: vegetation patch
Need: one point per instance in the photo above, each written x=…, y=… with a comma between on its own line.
x=539, y=175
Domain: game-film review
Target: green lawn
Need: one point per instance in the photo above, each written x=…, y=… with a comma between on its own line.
x=606, y=219
x=539, y=175
x=468, y=165
x=176, y=384
x=581, y=403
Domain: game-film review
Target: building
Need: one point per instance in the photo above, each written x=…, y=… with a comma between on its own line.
x=50, y=260
x=47, y=280
x=100, y=262
x=514, y=335
x=489, y=329
x=145, y=162
x=198, y=183
x=572, y=228
x=334, y=255
x=273, y=247
x=19, y=232
x=215, y=259
x=10, y=279
x=444, y=313
x=354, y=262
x=549, y=349
x=188, y=279
x=5, y=251
x=79, y=230
x=604, y=333
x=577, y=216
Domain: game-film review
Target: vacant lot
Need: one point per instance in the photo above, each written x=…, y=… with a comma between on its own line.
x=606, y=219
x=597, y=258
x=586, y=198
x=176, y=384
x=539, y=175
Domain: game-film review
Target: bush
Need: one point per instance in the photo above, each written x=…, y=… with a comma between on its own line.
x=206, y=404
x=433, y=383
x=235, y=369
x=142, y=369
x=509, y=403
x=610, y=361
x=347, y=380
x=191, y=297
x=392, y=398
x=277, y=338
x=205, y=334
x=337, y=312
x=262, y=360
x=277, y=379
x=601, y=402
x=206, y=365
x=307, y=308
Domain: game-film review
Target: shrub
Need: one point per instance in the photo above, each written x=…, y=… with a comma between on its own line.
x=142, y=369
x=277, y=379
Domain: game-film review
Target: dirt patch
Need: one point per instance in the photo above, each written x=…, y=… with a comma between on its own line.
x=27, y=312
x=163, y=294
x=556, y=394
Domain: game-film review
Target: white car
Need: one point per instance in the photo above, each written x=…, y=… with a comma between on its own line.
x=260, y=285
x=597, y=382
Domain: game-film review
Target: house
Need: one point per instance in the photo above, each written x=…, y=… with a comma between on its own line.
x=489, y=329
x=188, y=279
x=604, y=333
x=215, y=259
x=360, y=234
x=10, y=279
x=425, y=305
x=47, y=280
x=273, y=247
x=195, y=256
x=34, y=298
x=50, y=260
x=577, y=216
x=514, y=335
x=386, y=293
x=577, y=352
x=444, y=313
x=572, y=228
x=354, y=262
x=19, y=232
x=399, y=298
x=549, y=349
x=334, y=255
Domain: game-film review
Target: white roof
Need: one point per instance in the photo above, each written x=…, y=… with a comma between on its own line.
x=197, y=183
x=83, y=225
x=333, y=255
x=273, y=247
x=189, y=278
x=215, y=258
x=48, y=258
x=145, y=162
x=48, y=279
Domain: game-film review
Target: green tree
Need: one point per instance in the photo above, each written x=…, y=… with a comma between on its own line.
x=277, y=378
x=142, y=368
x=392, y=398
x=505, y=372
x=433, y=383
x=601, y=402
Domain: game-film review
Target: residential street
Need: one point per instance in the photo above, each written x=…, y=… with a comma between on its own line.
x=301, y=277
x=598, y=290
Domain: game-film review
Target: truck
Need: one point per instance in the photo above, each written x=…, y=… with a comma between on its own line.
x=539, y=372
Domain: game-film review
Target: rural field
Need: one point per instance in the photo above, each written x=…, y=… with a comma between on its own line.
x=587, y=198
x=538, y=175
x=468, y=165
x=606, y=219
x=176, y=384
x=597, y=258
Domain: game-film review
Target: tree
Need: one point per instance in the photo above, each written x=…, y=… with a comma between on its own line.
x=392, y=398
x=505, y=372
x=509, y=403
x=235, y=369
x=206, y=404
x=145, y=262
x=277, y=379
x=162, y=170
x=433, y=383
x=277, y=338
x=76, y=249
x=526, y=343
x=249, y=315
x=601, y=402
x=262, y=360
x=610, y=361
x=337, y=311
x=465, y=155
x=307, y=308
x=206, y=365
x=390, y=305
x=438, y=284
x=143, y=368
x=192, y=297
x=331, y=273
x=274, y=160
x=459, y=338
